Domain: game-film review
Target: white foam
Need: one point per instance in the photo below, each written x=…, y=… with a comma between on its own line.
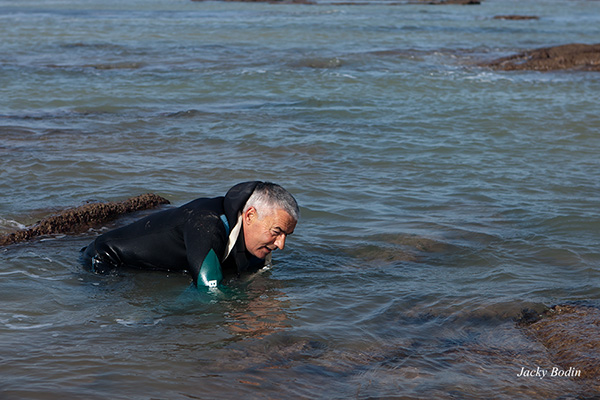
x=11, y=224
x=20, y=327
x=131, y=322
x=29, y=274
x=18, y=322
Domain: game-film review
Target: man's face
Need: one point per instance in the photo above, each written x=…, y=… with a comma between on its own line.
x=266, y=232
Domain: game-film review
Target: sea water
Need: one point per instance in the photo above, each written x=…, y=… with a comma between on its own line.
x=439, y=198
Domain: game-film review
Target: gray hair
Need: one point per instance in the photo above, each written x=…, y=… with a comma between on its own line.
x=268, y=196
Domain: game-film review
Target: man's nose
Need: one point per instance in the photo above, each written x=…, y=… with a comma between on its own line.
x=280, y=241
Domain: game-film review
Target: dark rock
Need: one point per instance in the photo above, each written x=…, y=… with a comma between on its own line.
x=528, y=317
x=80, y=219
x=571, y=334
x=582, y=57
x=360, y=3
x=271, y=1
x=516, y=17
x=400, y=3
x=456, y=2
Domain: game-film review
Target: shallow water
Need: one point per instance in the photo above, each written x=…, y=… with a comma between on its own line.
x=438, y=198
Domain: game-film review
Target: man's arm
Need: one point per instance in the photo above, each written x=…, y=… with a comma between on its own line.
x=204, y=240
x=210, y=273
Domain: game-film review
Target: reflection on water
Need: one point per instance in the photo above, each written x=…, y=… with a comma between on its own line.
x=264, y=312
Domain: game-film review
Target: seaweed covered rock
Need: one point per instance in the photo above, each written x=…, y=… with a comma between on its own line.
x=80, y=219
x=271, y=1
x=571, y=334
x=584, y=57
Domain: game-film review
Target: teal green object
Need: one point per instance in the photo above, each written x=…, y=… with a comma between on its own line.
x=210, y=272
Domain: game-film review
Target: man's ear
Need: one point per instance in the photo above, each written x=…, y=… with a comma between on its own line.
x=250, y=215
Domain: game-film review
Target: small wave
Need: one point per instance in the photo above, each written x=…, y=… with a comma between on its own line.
x=18, y=322
x=52, y=238
x=101, y=66
x=29, y=274
x=11, y=224
x=488, y=77
x=345, y=76
x=131, y=322
x=19, y=327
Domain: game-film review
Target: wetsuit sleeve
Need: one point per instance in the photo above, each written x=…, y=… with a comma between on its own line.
x=204, y=241
x=210, y=273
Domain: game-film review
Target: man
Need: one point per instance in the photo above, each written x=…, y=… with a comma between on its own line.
x=209, y=238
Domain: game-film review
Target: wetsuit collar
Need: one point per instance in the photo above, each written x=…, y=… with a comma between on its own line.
x=233, y=205
x=236, y=198
x=233, y=236
x=241, y=256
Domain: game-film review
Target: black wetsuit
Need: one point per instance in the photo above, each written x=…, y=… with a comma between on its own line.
x=192, y=237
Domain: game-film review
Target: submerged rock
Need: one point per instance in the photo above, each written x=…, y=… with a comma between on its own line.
x=359, y=3
x=455, y=2
x=80, y=219
x=571, y=335
x=516, y=17
x=319, y=63
x=584, y=57
x=271, y=1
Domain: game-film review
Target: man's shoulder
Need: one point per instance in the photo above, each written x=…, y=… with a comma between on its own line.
x=203, y=213
x=212, y=204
